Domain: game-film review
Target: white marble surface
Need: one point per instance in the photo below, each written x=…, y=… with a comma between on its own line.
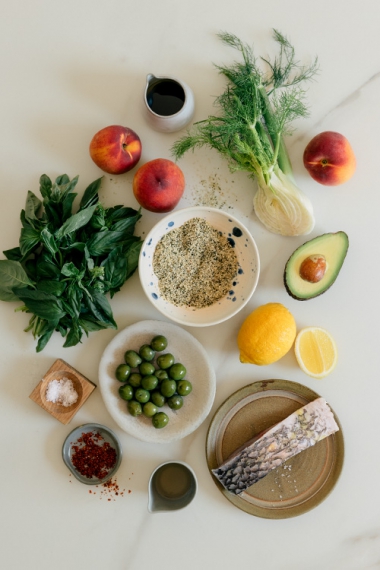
x=70, y=68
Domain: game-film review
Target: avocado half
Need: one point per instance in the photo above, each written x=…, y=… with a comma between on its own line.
x=334, y=247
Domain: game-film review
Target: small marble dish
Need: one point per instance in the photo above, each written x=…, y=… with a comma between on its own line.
x=107, y=435
x=242, y=287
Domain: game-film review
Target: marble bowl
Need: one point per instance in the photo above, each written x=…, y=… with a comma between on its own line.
x=242, y=287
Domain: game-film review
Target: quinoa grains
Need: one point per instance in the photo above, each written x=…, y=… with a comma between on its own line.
x=195, y=264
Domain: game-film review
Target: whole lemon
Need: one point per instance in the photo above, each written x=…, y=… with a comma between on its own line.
x=266, y=335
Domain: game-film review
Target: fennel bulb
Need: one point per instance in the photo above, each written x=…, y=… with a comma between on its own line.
x=257, y=108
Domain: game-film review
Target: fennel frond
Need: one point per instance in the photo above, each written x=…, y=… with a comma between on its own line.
x=255, y=112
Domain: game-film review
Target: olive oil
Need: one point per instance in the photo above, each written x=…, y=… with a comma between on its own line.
x=165, y=97
x=173, y=481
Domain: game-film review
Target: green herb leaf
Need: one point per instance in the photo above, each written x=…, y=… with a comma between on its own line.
x=45, y=187
x=44, y=305
x=29, y=240
x=76, y=221
x=53, y=287
x=100, y=308
x=90, y=196
x=12, y=275
x=13, y=254
x=49, y=241
x=32, y=206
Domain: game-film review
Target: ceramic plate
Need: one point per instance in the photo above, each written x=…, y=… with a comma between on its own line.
x=186, y=349
x=299, y=484
x=242, y=287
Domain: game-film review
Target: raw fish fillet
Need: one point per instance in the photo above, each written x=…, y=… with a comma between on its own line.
x=299, y=431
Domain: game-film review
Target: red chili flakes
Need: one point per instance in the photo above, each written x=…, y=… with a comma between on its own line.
x=111, y=489
x=92, y=456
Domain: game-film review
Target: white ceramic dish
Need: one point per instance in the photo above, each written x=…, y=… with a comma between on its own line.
x=242, y=287
x=200, y=373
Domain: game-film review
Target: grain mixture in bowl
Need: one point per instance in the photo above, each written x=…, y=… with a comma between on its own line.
x=195, y=264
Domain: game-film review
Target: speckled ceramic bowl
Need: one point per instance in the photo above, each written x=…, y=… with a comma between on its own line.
x=242, y=287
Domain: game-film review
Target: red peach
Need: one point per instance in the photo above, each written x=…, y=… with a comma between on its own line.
x=115, y=149
x=158, y=185
x=329, y=158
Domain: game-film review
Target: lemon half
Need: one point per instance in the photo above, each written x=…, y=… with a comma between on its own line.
x=316, y=351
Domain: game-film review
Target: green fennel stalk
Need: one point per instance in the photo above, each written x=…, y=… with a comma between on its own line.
x=256, y=110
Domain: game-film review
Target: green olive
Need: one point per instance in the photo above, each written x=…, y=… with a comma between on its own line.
x=165, y=361
x=134, y=408
x=158, y=399
x=175, y=402
x=160, y=420
x=142, y=395
x=184, y=387
x=146, y=368
x=132, y=358
x=135, y=379
x=149, y=382
x=159, y=343
x=149, y=409
x=146, y=352
x=168, y=388
x=122, y=372
x=161, y=374
x=126, y=392
x=177, y=371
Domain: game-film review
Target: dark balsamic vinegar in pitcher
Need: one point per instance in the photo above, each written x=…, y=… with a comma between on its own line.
x=165, y=97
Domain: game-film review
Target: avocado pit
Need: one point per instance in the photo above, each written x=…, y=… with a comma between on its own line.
x=313, y=268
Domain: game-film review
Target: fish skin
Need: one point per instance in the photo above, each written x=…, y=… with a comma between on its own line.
x=254, y=460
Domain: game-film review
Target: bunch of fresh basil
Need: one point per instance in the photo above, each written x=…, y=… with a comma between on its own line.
x=66, y=263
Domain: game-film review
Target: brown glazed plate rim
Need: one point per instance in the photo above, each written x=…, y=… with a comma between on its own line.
x=302, y=482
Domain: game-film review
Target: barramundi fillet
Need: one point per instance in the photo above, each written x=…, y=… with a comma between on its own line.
x=255, y=459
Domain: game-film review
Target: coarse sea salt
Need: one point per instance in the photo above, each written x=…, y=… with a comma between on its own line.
x=61, y=392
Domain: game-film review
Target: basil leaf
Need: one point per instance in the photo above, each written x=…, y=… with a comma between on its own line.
x=46, y=269
x=132, y=256
x=45, y=187
x=44, y=339
x=89, y=325
x=62, y=179
x=44, y=305
x=54, y=287
x=120, y=212
x=75, y=222
x=12, y=275
x=14, y=254
x=48, y=239
x=126, y=225
x=115, y=268
x=104, y=242
x=32, y=206
x=100, y=308
x=90, y=196
x=54, y=214
x=73, y=336
x=29, y=240
x=70, y=270
x=67, y=206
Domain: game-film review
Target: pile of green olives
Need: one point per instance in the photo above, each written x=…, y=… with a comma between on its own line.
x=151, y=381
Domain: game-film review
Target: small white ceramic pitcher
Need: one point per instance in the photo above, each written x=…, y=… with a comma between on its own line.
x=172, y=486
x=168, y=102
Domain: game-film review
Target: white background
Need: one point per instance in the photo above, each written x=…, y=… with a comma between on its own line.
x=71, y=68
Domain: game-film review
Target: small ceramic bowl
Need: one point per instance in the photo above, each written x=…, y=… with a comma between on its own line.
x=107, y=435
x=242, y=287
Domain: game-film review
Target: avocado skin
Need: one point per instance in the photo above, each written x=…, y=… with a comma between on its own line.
x=330, y=280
